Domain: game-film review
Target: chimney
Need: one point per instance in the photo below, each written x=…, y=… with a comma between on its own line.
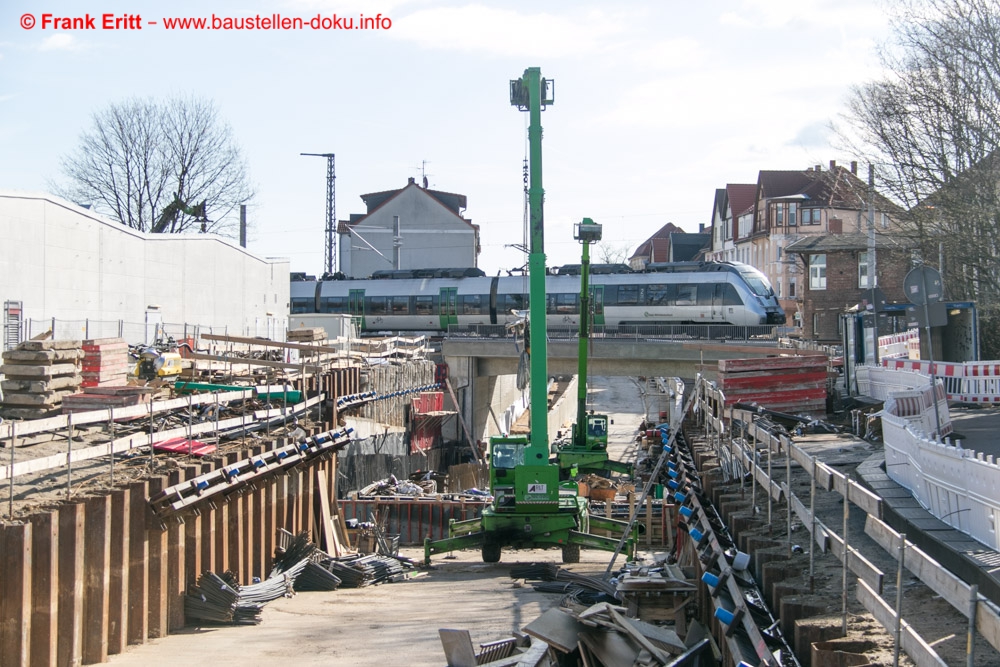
x=411, y=180
x=243, y=225
x=819, y=167
x=854, y=167
x=836, y=226
x=701, y=227
x=833, y=165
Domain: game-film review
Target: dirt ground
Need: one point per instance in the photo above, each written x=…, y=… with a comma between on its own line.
x=389, y=624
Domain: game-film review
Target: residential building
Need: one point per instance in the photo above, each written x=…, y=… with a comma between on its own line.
x=669, y=244
x=787, y=206
x=409, y=228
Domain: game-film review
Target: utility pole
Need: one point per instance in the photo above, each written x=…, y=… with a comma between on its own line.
x=872, y=357
x=331, y=210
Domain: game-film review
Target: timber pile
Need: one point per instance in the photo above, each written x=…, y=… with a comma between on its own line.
x=783, y=384
x=105, y=362
x=102, y=398
x=38, y=375
x=307, y=335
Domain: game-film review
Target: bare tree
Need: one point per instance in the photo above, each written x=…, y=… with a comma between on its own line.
x=932, y=127
x=154, y=166
x=612, y=252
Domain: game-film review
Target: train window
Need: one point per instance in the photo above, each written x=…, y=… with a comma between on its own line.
x=706, y=292
x=333, y=304
x=659, y=295
x=628, y=295
x=730, y=297
x=513, y=302
x=423, y=305
x=400, y=305
x=563, y=304
x=687, y=295
x=377, y=305
x=471, y=304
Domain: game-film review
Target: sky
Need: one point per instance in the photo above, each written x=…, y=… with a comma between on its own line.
x=657, y=104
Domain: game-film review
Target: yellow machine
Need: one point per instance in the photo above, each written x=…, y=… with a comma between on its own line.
x=154, y=364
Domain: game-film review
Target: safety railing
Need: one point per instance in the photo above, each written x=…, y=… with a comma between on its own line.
x=967, y=382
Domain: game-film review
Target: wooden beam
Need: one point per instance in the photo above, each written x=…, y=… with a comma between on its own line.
x=70, y=643
x=273, y=343
x=118, y=600
x=919, y=651
x=102, y=416
x=15, y=599
x=176, y=579
x=158, y=566
x=192, y=537
x=44, y=588
x=138, y=564
x=97, y=579
x=952, y=589
x=240, y=361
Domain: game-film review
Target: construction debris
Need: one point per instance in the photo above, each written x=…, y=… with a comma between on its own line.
x=102, y=398
x=307, y=335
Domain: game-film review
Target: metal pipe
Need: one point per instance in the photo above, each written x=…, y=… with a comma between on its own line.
x=970, y=644
x=69, y=455
x=847, y=551
x=111, y=447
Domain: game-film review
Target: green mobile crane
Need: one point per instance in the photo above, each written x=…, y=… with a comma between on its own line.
x=531, y=507
x=586, y=451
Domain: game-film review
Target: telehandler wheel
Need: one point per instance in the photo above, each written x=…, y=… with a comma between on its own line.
x=491, y=552
x=571, y=553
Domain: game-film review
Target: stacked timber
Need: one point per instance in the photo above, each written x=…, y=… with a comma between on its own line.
x=38, y=375
x=102, y=398
x=783, y=384
x=307, y=335
x=105, y=362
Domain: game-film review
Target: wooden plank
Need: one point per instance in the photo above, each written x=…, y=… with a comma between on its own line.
x=857, y=494
x=257, y=539
x=158, y=566
x=101, y=416
x=176, y=560
x=273, y=343
x=97, y=579
x=952, y=589
x=119, y=568
x=44, y=588
x=770, y=363
x=822, y=537
x=70, y=643
x=15, y=599
x=221, y=562
x=192, y=536
x=330, y=541
x=240, y=361
x=919, y=651
x=138, y=565
x=856, y=563
x=236, y=531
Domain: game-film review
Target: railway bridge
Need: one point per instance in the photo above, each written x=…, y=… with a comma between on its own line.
x=484, y=370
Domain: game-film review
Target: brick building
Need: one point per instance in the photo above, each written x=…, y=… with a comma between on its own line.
x=835, y=271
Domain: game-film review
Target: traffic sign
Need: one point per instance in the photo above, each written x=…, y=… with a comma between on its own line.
x=922, y=285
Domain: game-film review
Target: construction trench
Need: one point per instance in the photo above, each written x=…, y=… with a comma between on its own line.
x=86, y=577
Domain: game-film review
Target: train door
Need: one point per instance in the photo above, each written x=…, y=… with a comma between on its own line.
x=449, y=307
x=718, y=302
x=597, y=298
x=356, y=307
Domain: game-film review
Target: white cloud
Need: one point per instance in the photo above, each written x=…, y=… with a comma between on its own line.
x=671, y=54
x=831, y=14
x=476, y=28
x=60, y=41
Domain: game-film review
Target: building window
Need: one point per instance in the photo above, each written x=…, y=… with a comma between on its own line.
x=779, y=215
x=777, y=288
x=817, y=272
x=816, y=324
x=791, y=288
x=811, y=216
x=863, y=281
x=791, y=214
x=885, y=220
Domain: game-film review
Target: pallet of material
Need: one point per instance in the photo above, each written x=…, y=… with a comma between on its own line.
x=784, y=384
x=307, y=334
x=105, y=363
x=37, y=376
